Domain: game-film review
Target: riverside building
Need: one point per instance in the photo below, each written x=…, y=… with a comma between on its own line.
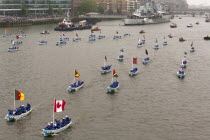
x=35, y=7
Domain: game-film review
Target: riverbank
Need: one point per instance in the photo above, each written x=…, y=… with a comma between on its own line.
x=28, y=22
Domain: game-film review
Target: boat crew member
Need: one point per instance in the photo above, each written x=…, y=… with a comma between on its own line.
x=67, y=119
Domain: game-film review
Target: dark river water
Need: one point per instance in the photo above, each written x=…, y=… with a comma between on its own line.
x=154, y=105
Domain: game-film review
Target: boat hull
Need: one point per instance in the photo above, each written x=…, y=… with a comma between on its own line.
x=165, y=18
x=105, y=71
x=131, y=74
x=72, y=28
x=112, y=90
x=180, y=75
x=72, y=89
x=52, y=132
x=17, y=117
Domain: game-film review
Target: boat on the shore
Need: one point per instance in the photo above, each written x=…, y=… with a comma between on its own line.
x=149, y=13
x=69, y=26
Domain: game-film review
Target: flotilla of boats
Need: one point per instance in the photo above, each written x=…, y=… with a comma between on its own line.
x=57, y=126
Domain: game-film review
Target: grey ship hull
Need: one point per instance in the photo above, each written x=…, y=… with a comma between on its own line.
x=165, y=18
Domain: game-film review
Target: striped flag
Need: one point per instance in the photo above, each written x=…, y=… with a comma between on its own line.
x=59, y=105
x=114, y=73
x=19, y=95
x=76, y=74
x=134, y=60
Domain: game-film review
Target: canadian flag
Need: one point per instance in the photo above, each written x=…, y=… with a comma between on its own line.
x=59, y=105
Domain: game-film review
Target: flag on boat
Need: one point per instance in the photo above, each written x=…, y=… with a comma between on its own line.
x=116, y=32
x=156, y=40
x=139, y=40
x=17, y=37
x=7, y=31
x=146, y=51
x=19, y=95
x=134, y=60
x=76, y=35
x=122, y=50
x=105, y=59
x=114, y=73
x=63, y=34
x=76, y=73
x=59, y=105
x=192, y=44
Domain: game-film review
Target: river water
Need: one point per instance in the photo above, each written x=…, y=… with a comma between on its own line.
x=154, y=105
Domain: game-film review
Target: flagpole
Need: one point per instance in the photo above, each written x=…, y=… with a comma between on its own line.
x=74, y=76
x=104, y=62
x=14, y=98
x=53, y=111
x=132, y=64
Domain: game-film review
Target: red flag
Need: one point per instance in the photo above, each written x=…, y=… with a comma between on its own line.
x=105, y=59
x=134, y=60
x=59, y=105
x=63, y=34
x=76, y=34
x=17, y=37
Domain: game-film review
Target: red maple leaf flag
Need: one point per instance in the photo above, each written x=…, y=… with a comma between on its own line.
x=59, y=105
